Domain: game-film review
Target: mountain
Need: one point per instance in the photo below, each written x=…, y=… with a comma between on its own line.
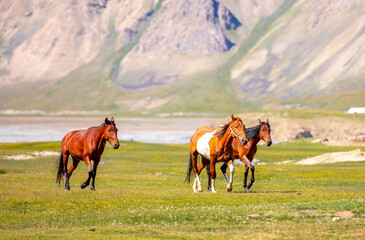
x=173, y=56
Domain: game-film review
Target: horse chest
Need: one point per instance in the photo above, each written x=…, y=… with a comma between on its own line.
x=203, y=144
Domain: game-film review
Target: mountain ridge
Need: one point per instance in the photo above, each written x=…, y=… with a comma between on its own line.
x=170, y=56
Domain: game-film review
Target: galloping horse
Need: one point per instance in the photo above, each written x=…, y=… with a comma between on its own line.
x=86, y=145
x=214, y=145
x=247, y=152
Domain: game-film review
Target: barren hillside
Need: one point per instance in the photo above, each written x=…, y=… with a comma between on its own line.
x=152, y=56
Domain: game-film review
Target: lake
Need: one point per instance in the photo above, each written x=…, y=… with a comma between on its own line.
x=148, y=130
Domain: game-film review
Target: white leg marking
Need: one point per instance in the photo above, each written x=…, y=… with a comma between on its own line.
x=200, y=189
x=213, y=185
x=194, y=185
x=229, y=185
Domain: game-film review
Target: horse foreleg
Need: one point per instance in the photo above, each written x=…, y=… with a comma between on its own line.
x=213, y=173
x=96, y=162
x=245, y=179
x=209, y=178
x=252, y=178
x=224, y=171
x=88, y=165
x=231, y=171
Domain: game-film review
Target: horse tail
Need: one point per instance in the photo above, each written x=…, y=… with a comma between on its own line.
x=59, y=166
x=190, y=168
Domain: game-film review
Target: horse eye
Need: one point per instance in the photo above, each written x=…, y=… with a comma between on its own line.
x=236, y=127
x=108, y=130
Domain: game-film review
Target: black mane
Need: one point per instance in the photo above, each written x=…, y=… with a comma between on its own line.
x=254, y=131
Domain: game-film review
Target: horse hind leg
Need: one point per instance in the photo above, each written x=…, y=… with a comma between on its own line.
x=68, y=174
x=204, y=162
x=197, y=183
x=65, y=156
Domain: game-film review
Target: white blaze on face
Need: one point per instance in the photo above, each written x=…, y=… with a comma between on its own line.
x=203, y=145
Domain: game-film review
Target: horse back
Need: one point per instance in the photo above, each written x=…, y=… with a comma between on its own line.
x=79, y=142
x=199, y=133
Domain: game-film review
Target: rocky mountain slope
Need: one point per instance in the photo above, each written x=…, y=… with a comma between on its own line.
x=153, y=56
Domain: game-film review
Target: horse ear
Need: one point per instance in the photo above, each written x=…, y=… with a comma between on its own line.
x=232, y=117
x=106, y=120
x=267, y=121
x=260, y=121
x=112, y=119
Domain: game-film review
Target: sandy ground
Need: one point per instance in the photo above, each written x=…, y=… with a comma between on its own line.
x=32, y=155
x=343, y=141
x=351, y=156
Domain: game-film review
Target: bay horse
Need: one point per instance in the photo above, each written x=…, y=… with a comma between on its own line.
x=86, y=145
x=246, y=153
x=213, y=145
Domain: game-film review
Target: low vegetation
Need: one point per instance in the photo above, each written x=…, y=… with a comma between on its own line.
x=140, y=193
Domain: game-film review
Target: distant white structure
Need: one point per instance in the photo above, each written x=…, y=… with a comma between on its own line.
x=356, y=110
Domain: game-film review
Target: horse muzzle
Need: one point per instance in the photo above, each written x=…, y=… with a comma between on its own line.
x=243, y=142
x=269, y=143
x=116, y=146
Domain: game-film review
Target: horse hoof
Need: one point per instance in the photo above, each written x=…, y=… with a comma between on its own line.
x=246, y=189
x=92, y=189
x=229, y=189
x=84, y=185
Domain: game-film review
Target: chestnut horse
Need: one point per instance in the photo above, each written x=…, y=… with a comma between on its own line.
x=86, y=145
x=247, y=152
x=214, y=145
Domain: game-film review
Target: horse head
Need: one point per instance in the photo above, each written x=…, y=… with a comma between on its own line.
x=265, y=132
x=110, y=133
x=238, y=130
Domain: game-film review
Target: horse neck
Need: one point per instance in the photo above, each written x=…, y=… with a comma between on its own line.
x=100, y=136
x=256, y=138
x=253, y=133
x=226, y=139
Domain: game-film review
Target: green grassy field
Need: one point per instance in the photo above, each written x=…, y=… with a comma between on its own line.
x=141, y=194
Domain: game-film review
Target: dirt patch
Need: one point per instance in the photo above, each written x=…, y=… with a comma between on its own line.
x=351, y=156
x=343, y=141
x=31, y=156
x=344, y=214
x=253, y=215
x=284, y=162
x=308, y=212
x=272, y=213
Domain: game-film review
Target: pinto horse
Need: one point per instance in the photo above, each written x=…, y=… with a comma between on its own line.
x=86, y=145
x=214, y=145
x=247, y=152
